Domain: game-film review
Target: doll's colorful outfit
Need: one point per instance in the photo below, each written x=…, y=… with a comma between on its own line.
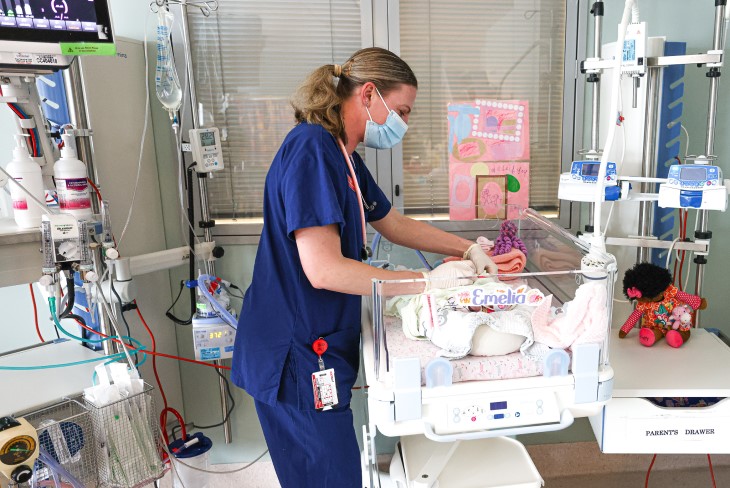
x=655, y=315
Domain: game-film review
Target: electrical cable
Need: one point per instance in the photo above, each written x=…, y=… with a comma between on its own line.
x=154, y=350
x=121, y=306
x=712, y=471
x=225, y=418
x=96, y=190
x=169, y=313
x=686, y=147
x=648, y=472
x=237, y=470
x=35, y=313
x=160, y=354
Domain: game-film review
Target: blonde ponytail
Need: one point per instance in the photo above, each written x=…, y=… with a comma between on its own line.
x=319, y=98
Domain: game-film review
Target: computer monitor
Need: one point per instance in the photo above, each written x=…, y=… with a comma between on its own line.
x=31, y=31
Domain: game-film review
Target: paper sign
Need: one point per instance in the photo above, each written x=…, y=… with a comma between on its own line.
x=465, y=194
x=488, y=130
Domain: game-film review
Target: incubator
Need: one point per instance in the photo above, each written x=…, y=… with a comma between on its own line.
x=521, y=352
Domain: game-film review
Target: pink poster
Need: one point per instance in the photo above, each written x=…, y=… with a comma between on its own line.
x=480, y=190
x=488, y=130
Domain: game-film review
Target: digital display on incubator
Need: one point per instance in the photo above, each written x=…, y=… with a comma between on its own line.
x=207, y=139
x=498, y=406
x=590, y=169
x=55, y=20
x=693, y=174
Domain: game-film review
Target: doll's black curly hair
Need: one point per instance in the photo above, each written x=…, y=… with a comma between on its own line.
x=648, y=278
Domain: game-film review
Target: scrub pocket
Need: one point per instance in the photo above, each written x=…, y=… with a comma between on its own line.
x=343, y=355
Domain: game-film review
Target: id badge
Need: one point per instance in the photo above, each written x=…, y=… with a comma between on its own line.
x=325, y=389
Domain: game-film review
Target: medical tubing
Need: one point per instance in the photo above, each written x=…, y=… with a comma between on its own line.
x=615, y=87
x=161, y=354
x=114, y=323
x=35, y=313
x=58, y=469
x=42, y=205
x=194, y=468
x=154, y=350
x=423, y=259
x=222, y=312
x=52, y=306
x=114, y=357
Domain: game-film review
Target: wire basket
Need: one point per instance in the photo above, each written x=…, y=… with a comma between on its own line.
x=65, y=432
x=128, y=448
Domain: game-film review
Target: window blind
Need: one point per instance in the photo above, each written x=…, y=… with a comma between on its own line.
x=249, y=57
x=465, y=50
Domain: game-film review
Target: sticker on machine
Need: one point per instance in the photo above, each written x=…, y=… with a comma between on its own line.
x=23, y=58
x=677, y=429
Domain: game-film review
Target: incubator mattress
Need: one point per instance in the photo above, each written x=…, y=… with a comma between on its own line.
x=469, y=368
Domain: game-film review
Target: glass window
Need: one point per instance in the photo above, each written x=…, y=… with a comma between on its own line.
x=249, y=57
x=469, y=56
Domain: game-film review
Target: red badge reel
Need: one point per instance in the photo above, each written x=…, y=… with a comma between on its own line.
x=323, y=381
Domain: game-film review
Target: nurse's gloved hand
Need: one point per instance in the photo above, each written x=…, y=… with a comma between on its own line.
x=451, y=274
x=481, y=261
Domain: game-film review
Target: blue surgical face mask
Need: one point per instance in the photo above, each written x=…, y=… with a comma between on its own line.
x=387, y=135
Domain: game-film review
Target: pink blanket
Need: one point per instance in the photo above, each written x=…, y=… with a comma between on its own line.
x=512, y=262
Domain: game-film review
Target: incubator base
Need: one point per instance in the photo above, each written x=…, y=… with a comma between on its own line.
x=632, y=421
x=499, y=462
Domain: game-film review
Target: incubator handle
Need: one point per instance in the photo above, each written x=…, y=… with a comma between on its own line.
x=566, y=420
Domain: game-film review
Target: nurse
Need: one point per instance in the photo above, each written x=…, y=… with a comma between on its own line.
x=309, y=275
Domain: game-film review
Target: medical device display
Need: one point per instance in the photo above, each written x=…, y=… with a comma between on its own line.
x=31, y=31
x=697, y=186
x=580, y=184
x=207, y=149
x=18, y=449
x=214, y=323
x=212, y=339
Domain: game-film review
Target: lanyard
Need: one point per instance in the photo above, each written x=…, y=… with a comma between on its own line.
x=366, y=251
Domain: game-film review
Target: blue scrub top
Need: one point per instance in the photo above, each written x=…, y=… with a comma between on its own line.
x=282, y=314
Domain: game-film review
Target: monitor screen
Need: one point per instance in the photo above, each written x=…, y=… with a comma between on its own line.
x=691, y=173
x=590, y=169
x=54, y=21
x=207, y=139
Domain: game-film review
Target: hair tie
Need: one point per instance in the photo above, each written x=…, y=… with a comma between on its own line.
x=337, y=70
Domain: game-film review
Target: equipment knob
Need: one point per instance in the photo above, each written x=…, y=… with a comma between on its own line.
x=21, y=474
x=218, y=252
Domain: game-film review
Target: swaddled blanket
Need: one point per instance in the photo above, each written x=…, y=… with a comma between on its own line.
x=442, y=317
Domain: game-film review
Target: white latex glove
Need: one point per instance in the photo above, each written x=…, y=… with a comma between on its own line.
x=451, y=274
x=481, y=261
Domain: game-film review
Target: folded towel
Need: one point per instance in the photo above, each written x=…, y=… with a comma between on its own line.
x=511, y=262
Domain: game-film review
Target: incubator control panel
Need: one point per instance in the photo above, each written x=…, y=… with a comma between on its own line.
x=207, y=149
x=507, y=410
x=212, y=339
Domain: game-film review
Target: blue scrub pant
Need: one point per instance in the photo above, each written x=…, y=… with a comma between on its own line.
x=310, y=448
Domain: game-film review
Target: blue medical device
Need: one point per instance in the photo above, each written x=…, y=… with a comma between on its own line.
x=697, y=186
x=579, y=184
